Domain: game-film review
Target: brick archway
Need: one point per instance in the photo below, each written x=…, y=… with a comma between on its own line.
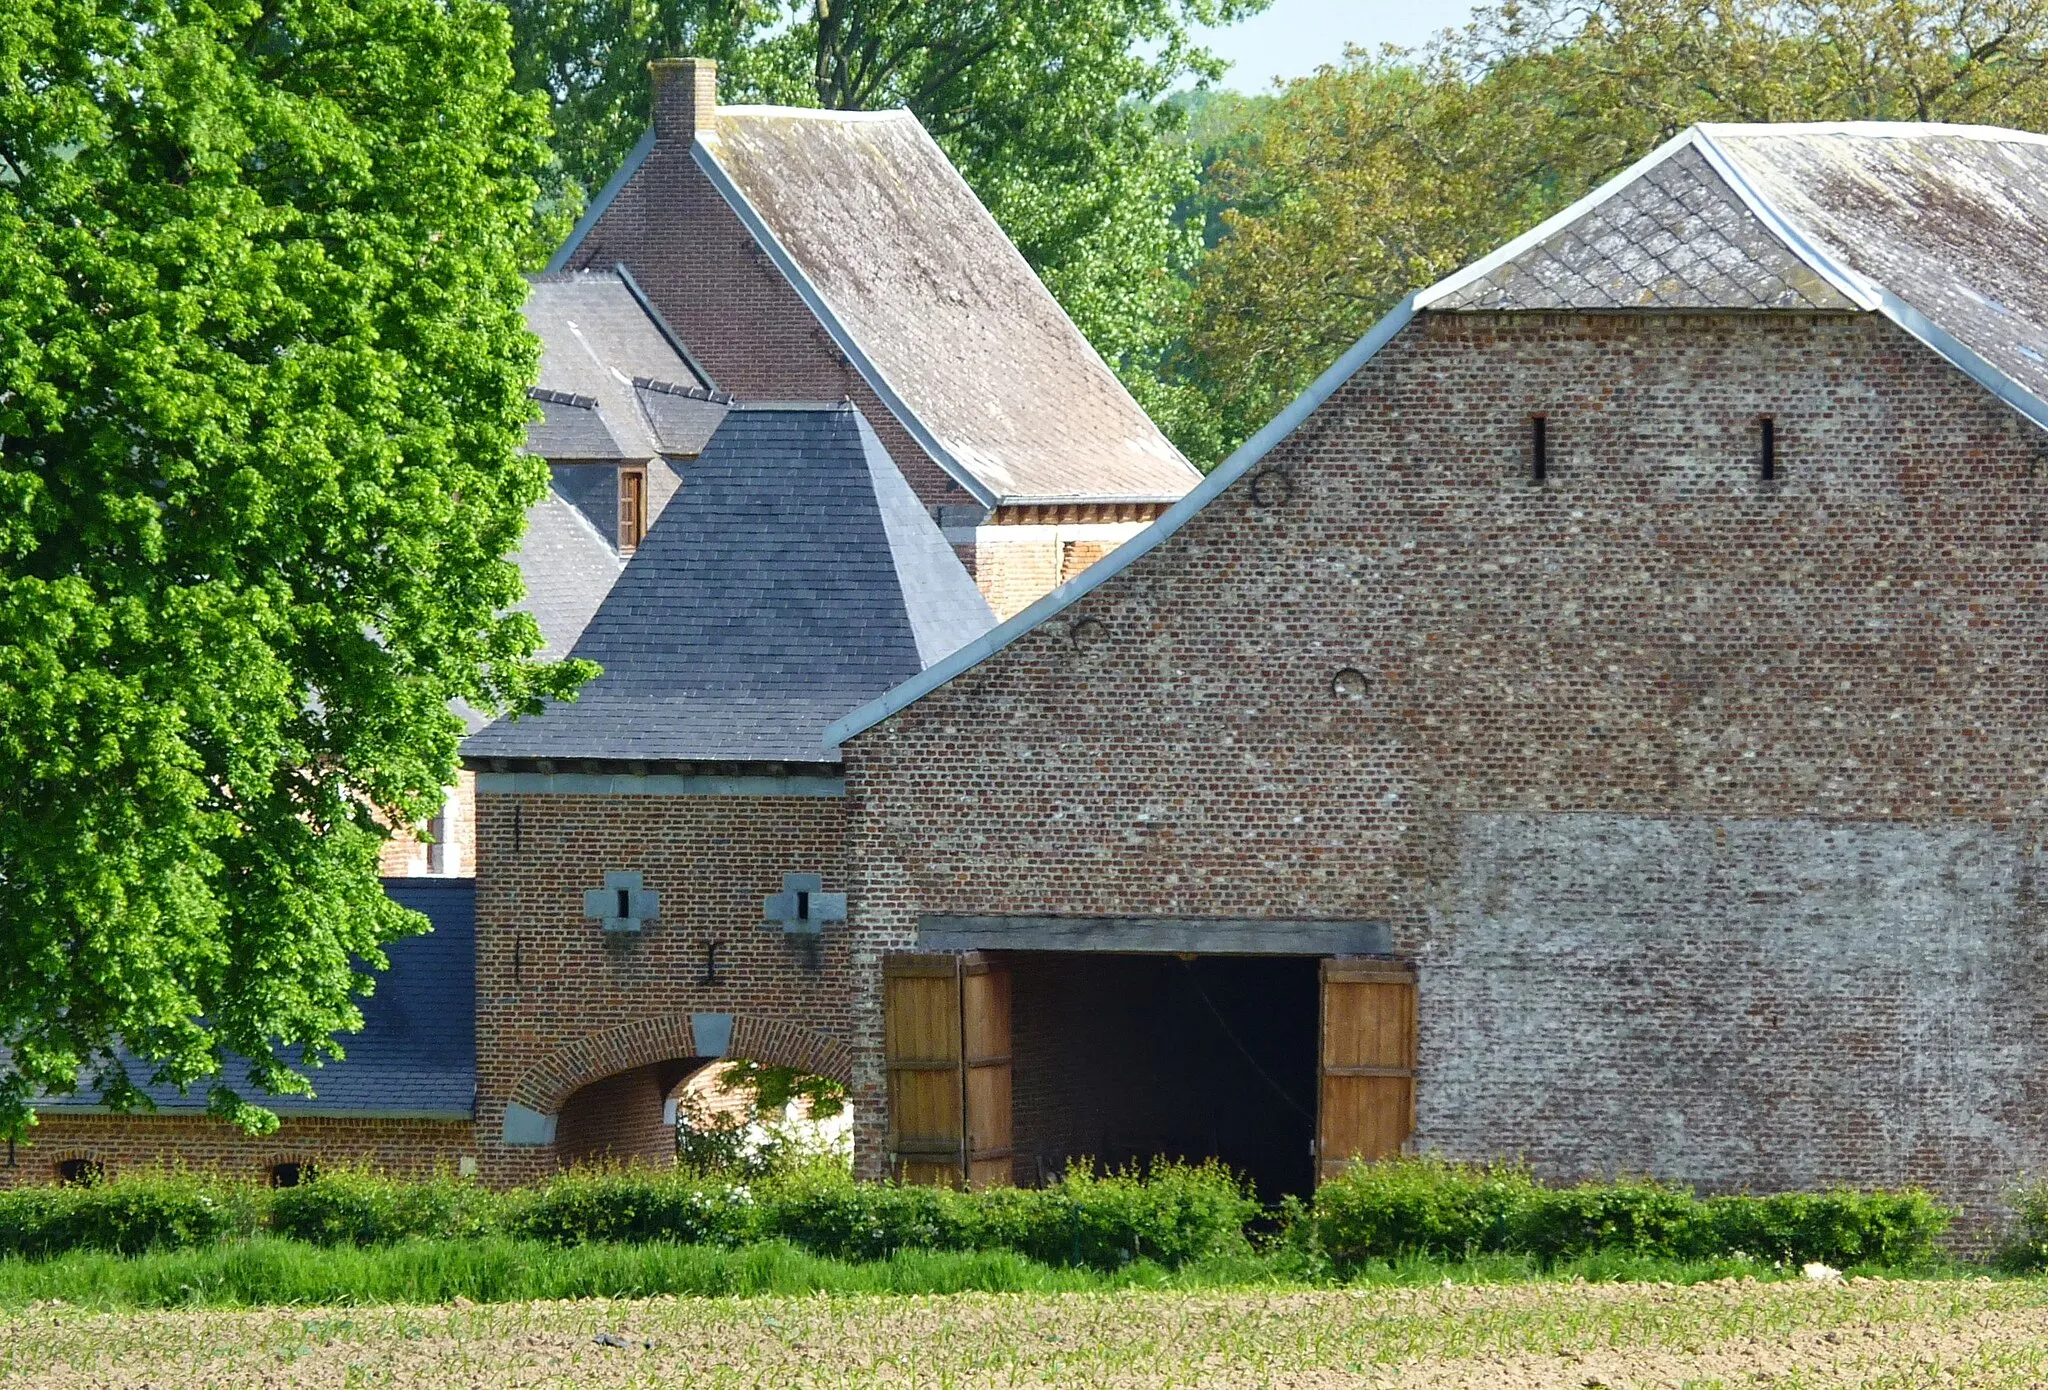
x=547, y=1083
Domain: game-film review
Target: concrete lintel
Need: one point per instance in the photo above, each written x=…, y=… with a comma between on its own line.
x=526, y=1128
x=628, y=784
x=712, y=1034
x=1202, y=936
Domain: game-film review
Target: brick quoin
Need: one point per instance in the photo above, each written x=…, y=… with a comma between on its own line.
x=1709, y=808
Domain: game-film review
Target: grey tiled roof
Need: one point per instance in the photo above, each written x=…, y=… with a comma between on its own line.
x=572, y=427
x=1678, y=237
x=416, y=1053
x=1944, y=229
x=684, y=417
x=1952, y=220
x=934, y=296
x=597, y=340
x=792, y=578
x=568, y=568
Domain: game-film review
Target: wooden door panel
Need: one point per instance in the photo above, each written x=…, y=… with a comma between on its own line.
x=1367, y=1097
x=921, y=1050
x=985, y=1031
x=946, y=1047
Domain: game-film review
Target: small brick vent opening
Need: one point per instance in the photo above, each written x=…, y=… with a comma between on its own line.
x=290, y=1173
x=1126, y=1059
x=81, y=1172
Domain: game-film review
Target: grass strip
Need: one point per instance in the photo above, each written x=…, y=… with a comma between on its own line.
x=269, y=1271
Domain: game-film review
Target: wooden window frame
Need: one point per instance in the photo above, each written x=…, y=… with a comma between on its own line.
x=632, y=508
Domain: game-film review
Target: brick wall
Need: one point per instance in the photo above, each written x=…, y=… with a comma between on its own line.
x=561, y=1005
x=718, y=290
x=125, y=1143
x=1708, y=807
x=406, y=854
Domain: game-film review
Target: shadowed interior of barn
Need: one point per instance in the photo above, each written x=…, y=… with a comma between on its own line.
x=1126, y=1058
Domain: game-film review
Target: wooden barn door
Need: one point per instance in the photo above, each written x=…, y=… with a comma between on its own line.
x=1367, y=1102
x=946, y=1043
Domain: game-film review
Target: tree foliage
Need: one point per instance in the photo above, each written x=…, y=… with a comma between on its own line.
x=1375, y=178
x=262, y=376
x=1050, y=108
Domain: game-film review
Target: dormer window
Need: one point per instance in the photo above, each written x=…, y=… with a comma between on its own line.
x=632, y=508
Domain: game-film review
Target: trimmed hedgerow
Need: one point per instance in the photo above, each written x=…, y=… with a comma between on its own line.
x=349, y=1207
x=1382, y=1211
x=147, y=1211
x=1175, y=1216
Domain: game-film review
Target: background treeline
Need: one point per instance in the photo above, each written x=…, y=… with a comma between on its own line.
x=1221, y=250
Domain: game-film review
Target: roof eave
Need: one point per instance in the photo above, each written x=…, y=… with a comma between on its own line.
x=1184, y=509
x=1105, y=499
x=841, y=336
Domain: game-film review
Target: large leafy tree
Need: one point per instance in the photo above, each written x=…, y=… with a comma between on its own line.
x=262, y=377
x=1369, y=180
x=1051, y=109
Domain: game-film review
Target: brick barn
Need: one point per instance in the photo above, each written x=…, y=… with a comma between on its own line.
x=1601, y=722
x=1598, y=723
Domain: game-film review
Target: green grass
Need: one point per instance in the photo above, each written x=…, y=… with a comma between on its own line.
x=267, y=1270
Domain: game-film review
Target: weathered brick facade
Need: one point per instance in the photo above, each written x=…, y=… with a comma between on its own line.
x=1708, y=807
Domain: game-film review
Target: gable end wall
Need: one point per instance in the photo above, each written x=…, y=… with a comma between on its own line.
x=1708, y=808
x=718, y=290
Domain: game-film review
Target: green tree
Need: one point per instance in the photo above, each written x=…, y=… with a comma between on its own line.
x=1372, y=179
x=262, y=376
x=1051, y=109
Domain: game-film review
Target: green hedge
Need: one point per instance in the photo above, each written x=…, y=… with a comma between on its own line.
x=1176, y=1216
x=144, y=1212
x=1383, y=1211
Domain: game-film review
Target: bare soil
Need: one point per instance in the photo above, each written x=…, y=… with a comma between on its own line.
x=1568, y=1336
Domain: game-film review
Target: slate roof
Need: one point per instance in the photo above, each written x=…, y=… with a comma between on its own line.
x=927, y=297
x=794, y=576
x=1942, y=228
x=416, y=1053
x=614, y=382
x=1678, y=237
x=568, y=568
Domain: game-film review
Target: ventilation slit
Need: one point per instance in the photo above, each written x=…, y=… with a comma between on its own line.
x=1539, y=448
x=1769, y=468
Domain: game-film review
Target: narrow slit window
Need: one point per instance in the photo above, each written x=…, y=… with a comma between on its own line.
x=1767, y=468
x=1539, y=448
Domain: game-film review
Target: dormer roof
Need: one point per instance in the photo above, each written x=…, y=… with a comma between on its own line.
x=614, y=382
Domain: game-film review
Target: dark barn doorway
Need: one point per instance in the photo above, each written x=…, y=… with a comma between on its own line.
x=1124, y=1058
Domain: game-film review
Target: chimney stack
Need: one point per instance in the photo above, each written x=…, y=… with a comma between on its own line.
x=685, y=98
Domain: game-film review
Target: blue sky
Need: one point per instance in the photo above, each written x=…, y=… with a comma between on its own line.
x=1294, y=37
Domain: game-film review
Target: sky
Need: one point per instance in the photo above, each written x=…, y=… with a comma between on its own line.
x=1292, y=38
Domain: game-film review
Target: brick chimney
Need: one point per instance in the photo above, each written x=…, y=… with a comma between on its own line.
x=685, y=98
